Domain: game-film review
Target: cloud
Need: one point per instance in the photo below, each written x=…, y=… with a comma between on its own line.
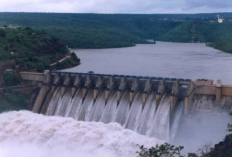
x=217, y=4
x=208, y=6
x=116, y=6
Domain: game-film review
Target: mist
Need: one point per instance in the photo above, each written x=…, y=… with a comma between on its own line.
x=25, y=134
x=202, y=128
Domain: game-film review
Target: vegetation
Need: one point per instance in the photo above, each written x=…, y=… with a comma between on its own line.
x=31, y=49
x=164, y=150
x=11, y=79
x=222, y=149
x=25, y=42
x=11, y=100
x=120, y=30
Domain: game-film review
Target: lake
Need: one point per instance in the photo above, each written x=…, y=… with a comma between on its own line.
x=164, y=59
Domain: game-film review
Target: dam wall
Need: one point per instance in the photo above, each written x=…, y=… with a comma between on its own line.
x=151, y=106
x=177, y=89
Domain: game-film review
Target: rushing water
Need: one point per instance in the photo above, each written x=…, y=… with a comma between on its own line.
x=136, y=115
x=24, y=134
x=164, y=59
x=36, y=135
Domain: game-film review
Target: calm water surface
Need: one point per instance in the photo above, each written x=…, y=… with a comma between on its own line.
x=164, y=59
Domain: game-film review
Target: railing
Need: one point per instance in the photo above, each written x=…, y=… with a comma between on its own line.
x=122, y=76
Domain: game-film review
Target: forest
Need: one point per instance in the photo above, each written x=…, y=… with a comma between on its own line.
x=121, y=30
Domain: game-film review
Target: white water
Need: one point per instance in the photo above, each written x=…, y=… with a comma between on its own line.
x=148, y=116
x=86, y=106
x=145, y=119
x=135, y=116
x=122, y=110
x=135, y=112
x=110, y=109
x=24, y=134
x=160, y=128
x=53, y=104
x=76, y=106
x=98, y=108
x=65, y=103
x=177, y=118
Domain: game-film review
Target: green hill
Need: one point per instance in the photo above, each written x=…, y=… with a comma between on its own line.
x=30, y=49
x=121, y=30
x=25, y=42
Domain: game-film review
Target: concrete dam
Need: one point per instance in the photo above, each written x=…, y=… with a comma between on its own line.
x=151, y=106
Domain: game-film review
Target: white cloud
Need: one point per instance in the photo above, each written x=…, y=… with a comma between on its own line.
x=116, y=6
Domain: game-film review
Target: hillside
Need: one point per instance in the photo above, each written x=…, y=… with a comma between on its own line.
x=30, y=49
x=121, y=30
x=22, y=48
x=217, y=35
x=25, y=42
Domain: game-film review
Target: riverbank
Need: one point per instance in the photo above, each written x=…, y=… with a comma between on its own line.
x=25, y=49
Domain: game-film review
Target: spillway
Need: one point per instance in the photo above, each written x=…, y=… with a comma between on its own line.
x=122, y=110
x=160, y=128
x=86, y=107
x=151, y=106
x=110, y=109
x=148, y=116
x=98, y=108
x=136, y=115
x=76, y=105
x=176, y=120
x=53, y=104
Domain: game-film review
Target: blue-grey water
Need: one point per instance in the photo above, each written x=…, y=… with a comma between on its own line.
x=164, y=59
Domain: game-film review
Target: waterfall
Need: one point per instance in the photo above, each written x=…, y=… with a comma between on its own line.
x=76, y=104
x=135, y=112
x=65, y=103
x=137, y=116
x=86, y=106
x=110, y=109
x=160, y=129
x=148, y=115
x=177, y=117
x=98, y=108
x=122, y=110
x=53, y=104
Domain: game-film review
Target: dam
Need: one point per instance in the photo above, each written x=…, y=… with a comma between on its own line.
x=151, y=106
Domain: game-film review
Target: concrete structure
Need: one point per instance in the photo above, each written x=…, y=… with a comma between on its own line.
x=177, y=89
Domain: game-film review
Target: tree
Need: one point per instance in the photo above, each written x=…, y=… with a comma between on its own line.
x=6, y=48
x=11, y=79
x=74, y=56
x=164, y=150
x=40, y=67
x=2, y=33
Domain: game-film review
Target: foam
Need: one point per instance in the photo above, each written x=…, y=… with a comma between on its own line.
x=25, y=134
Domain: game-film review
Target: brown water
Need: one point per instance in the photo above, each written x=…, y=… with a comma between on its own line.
x=164, y=59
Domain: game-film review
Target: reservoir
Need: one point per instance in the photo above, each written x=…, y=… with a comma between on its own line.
x=164, y=59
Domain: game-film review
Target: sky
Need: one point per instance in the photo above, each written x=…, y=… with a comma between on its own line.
x=117, y=6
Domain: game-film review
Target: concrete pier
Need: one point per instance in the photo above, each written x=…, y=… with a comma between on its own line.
x=182, y=89
x=40, y=98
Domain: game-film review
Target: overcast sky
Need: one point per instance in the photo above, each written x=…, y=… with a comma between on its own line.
x=117, y=6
